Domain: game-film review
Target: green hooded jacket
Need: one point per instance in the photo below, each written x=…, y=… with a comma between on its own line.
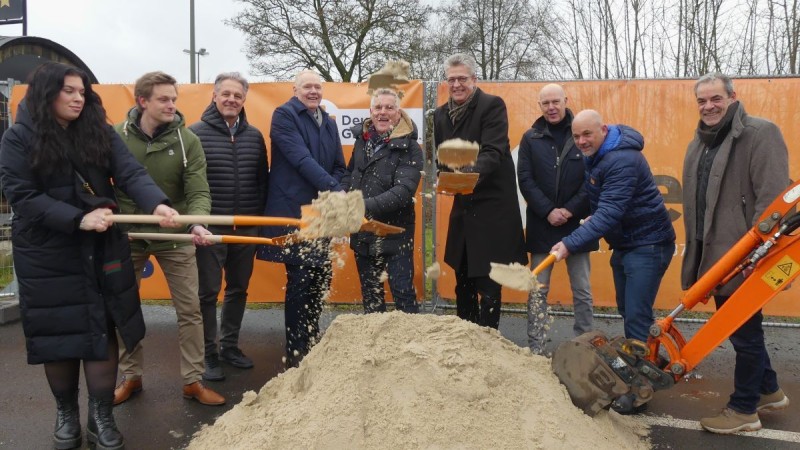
x=174, y=158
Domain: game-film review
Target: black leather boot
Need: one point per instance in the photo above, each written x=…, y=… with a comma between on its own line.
x=101, y=429
x=68, y=422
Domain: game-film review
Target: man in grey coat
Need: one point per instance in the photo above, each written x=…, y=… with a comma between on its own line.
x=734, y=168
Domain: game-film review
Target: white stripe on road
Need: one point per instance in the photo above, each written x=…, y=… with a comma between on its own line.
x=664, y=421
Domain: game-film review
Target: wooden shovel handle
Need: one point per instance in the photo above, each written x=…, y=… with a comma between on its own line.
x=211, y=220
x=215, y=238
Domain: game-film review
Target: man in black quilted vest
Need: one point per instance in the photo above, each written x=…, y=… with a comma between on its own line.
x=237, y=176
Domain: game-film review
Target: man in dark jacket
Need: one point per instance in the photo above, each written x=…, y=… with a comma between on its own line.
x=734, y=168
x=485, y=226
x=627, y=209
x=306, y=158
x=237, y=172
x=385, y=166
x=550, y=171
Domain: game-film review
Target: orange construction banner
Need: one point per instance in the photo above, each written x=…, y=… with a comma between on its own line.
x=347, y=102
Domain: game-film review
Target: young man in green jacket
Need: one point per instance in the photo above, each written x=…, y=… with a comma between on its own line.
x=155, y=134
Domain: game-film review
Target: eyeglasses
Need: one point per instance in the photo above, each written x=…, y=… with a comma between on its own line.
x=461, y=80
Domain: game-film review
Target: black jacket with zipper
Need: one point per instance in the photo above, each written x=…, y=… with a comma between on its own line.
x=388, y=182
x=550, y=177
x=236, y=165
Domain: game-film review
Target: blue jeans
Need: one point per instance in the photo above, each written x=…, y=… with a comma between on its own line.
x=637, y=276
x=753, y=374
x=400, y=268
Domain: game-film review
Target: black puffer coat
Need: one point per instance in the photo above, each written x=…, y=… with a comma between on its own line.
x=237, y=167
x=69, y=279
x=388, y=182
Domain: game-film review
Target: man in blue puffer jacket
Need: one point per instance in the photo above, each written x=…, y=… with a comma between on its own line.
x=627, y=209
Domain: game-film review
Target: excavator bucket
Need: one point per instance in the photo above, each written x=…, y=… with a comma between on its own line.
x=596, y=370
x=582, y=366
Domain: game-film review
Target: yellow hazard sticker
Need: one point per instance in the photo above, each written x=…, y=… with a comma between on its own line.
x=780, y=273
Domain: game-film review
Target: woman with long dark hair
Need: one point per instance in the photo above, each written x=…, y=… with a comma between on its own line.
x=58, y=165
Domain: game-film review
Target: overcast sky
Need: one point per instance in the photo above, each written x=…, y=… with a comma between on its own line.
x=122, y=39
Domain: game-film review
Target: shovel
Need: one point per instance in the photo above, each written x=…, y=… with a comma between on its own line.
x=370, y=225
x=215, y=238
x=455, y=154
x=214, y=220
x=516, y=276
x=451, y=183
x=308, y=214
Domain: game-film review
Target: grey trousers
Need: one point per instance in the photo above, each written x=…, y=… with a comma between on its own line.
x=578, y=269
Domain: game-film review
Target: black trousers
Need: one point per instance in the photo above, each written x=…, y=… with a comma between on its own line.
x=305, y=288
x=237, y=262
x=469, y=290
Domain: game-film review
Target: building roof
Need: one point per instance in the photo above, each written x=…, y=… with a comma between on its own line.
x=21, y=55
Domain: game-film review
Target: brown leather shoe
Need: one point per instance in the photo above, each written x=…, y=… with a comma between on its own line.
x=125, y=389
x=202, y=394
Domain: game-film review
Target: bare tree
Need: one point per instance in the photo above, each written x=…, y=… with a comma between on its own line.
x=784, y=24
x=342, y=39
x=507, y=38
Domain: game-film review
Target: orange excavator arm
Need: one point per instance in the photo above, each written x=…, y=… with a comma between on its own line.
x=597, y=369
x=769, y=251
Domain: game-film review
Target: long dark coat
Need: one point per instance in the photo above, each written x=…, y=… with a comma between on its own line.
x=306, y=159
x=487, y=223
x=70, y=279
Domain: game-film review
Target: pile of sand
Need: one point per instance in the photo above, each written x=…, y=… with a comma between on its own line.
x=397, y=380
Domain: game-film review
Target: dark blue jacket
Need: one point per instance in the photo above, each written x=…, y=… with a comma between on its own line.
x=306, y=159
x=626, y=206
x=550, y=177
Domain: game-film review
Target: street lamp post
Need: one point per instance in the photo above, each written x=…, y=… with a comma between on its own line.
x=201, y=52
x=195, y=75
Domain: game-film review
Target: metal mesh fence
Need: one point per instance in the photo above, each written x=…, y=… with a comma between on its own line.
x=7, y=283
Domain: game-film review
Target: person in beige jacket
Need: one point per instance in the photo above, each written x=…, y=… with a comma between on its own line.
x=734, y=168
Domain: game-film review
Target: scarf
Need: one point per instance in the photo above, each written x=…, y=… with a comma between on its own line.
x=374, y=140
x=714, y=135
x=457, y=111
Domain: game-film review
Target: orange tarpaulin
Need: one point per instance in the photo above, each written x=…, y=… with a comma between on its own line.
x=665, y=112
x=348, y=103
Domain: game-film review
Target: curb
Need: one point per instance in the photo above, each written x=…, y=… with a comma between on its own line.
x=9, y=310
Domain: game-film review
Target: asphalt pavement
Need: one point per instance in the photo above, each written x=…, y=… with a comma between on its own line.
x=160, y=418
